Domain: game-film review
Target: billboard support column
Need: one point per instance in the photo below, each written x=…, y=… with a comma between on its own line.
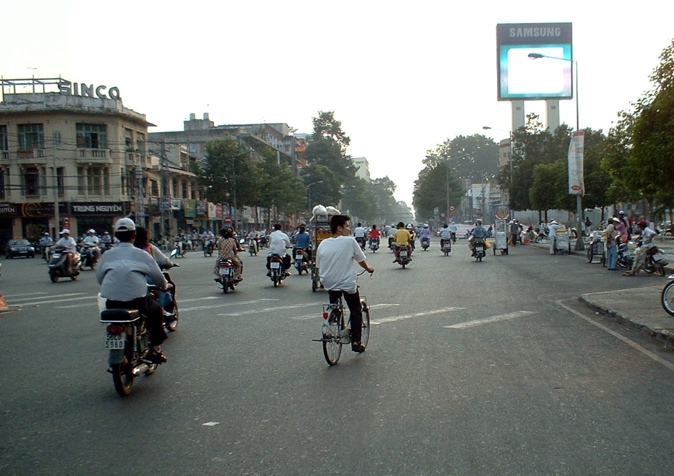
x=552, y=109
x=518, y=114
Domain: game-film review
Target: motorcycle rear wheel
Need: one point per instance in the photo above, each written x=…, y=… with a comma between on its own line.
x=332, y=347
x=122, y=378
x=172, y=325
x=667, y=298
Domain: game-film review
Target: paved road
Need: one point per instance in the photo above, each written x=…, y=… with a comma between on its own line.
x=473, y=368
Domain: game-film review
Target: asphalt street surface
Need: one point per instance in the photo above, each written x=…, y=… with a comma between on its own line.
x=507, y=367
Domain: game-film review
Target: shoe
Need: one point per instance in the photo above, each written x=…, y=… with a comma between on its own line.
x=217, y=280
x=395, y=260
x=269, y=274
x=170, y=315
x=628, y=273
x=357, y=347
x=287, y=274
x=157, y=357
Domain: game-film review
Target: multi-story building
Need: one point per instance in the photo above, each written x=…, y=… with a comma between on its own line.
x=71, y=155
x=363, y=168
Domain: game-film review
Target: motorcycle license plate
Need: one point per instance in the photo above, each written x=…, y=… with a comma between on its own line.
x=479, y=248
x=56, y=255
x=299, y=256
x=403, y=254
x=115, y=341
x=275, y=265
x=658, y=256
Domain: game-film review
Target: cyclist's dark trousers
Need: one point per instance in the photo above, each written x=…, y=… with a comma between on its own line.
x=148, y=307
x=353, y=301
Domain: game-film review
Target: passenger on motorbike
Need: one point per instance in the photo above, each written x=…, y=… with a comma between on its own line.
x=303, y=243
x=402, y=239
x=142, y=242
x=227, y=250
x=425, y=234
x=91, y=240
x=336, y=258
x=278, y=243
x=359, y=233
x=70, y=247
x=477, y=233
x=122, y=273
x=445, y=235
x=646, y=236
x=375, y=236
x=45, y=243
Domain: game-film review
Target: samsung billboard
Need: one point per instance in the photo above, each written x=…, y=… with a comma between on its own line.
x=548, y=75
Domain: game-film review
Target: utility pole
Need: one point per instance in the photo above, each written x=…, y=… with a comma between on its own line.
x=165, y=201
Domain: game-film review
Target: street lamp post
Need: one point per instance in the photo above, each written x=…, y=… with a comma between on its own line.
x=580, y=246
x=308, y=189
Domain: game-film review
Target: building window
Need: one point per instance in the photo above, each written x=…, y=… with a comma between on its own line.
x=140, y=143
x=31, y=136
x=128, y=140
x=154, y=188
x=2, y=184
x=60, y=184
x=93, y=180
x=183, y=186
x=3, y=138
x=31, y=179
x=92, y=136
x=174, y=188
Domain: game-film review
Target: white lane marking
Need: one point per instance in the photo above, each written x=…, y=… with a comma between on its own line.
x=223, y=303
x=489, y=320
x=376, y=322
x=12, y=296
x=33, y=296
x=319, y=315
x=75, y=306
x=269, y=309
x=627, y=341
x=57, y=300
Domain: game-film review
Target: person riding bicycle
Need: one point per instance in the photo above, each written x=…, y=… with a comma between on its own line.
x=122, y=274
x=303, y=242
x=453, y=229
x=402, y=239
x=336, y=258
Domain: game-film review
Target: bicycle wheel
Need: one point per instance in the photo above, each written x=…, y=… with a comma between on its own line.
x=590, y=254
x=365, y=332
x=667, y=298
x=332, y=346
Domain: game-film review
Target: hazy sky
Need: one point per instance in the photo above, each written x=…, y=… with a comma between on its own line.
x=402, y=77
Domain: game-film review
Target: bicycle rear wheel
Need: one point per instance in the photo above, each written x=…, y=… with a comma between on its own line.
x=332, y=346
x=668, y=298
x=365, y=332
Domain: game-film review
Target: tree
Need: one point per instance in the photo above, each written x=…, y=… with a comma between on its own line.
x=278, y=189
x=228, y=172
x=436, y=183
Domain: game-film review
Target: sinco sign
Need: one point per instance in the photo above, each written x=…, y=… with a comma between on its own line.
x=88, y=90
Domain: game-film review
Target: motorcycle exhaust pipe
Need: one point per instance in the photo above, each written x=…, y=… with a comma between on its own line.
x=140, y=370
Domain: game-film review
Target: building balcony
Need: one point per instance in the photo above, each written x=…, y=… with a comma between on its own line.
x=30, y=154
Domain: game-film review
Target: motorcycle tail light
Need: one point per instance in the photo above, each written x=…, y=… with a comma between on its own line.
x=325, y=314
x=115, y=329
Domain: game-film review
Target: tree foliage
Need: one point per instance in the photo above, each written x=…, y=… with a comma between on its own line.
x=228, y=172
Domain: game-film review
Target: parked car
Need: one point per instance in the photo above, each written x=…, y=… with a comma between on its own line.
x=20, y=247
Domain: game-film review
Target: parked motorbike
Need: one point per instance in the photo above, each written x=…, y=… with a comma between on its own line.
x=57, y=265
x=374, y=245
x=226, y=278
x=167, y=300
x=425, y=243
x=277, y=273
x=300, y=263
x=88, y=256
x=128, y=344
x=403, y=256
x=625, y=256
x=480, y=250
x=446, y=247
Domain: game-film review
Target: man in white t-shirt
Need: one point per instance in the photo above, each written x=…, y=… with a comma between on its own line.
x=336, y=260
x=278, y=243
x=552, y=227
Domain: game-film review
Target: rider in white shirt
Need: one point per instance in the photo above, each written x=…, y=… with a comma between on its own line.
x=92, y=241
x=278, y=243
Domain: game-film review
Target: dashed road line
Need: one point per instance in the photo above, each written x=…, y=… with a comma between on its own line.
x=489, y=320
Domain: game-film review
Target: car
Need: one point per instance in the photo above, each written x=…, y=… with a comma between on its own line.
x=20, y=247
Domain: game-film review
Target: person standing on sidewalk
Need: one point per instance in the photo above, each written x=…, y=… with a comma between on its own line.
x=552, y=227
x=611, y=245
x=336, y=259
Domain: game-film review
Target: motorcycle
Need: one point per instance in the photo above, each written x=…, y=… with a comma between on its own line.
x=374, y=245
x=479, y=252
x=277, y=272
x=391, y=243
x=209, y=246
x=425, y=243
x=128, y=344
x=179, y=250
x=655, y=261
x=167, y=300
x=300, y=263
x=446, y=247
x=403, y=256
x=252, y=246
x=88, y=256
x=361, y=242
x=625, y=256
x=226, y=279
x=57, y=265
x=667, y=296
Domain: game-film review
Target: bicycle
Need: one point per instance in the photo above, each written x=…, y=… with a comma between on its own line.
x=336, y=329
